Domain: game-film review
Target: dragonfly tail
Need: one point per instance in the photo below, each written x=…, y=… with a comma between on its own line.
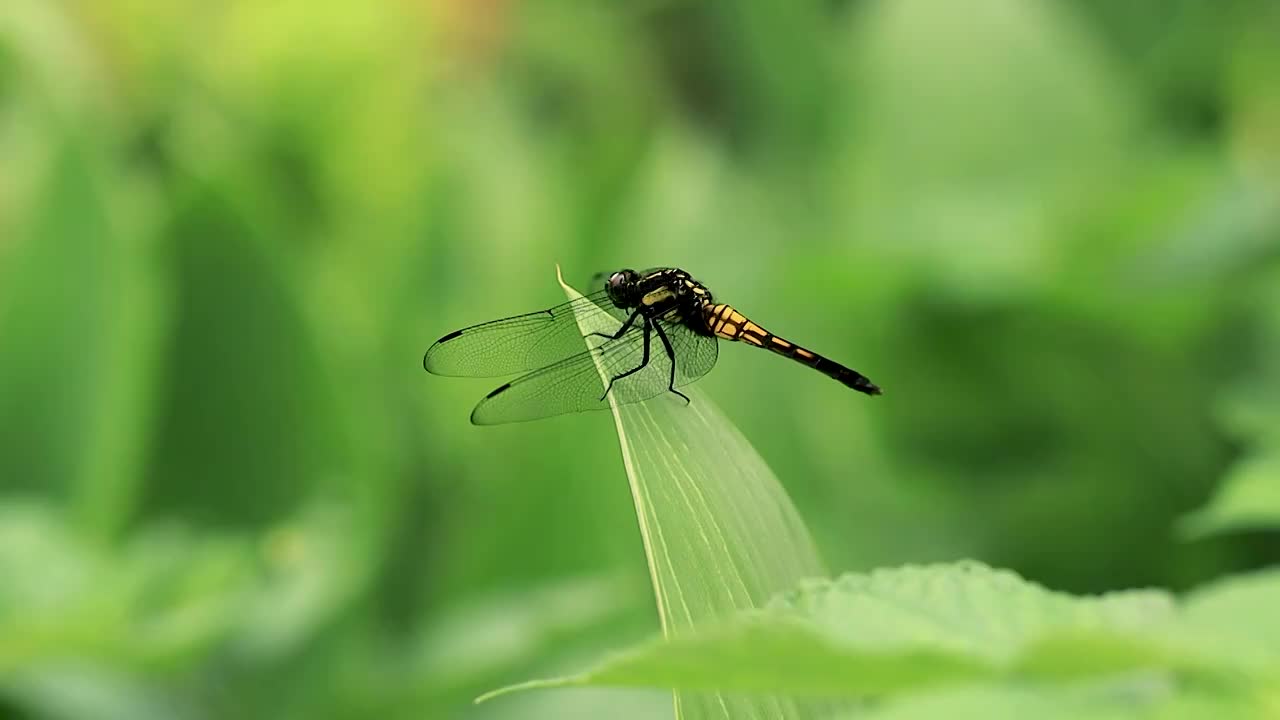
x=846, y=376
x=725, y=322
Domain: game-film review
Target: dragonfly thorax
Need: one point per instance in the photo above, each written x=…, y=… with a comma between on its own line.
x=671, y=294
x=656, y=291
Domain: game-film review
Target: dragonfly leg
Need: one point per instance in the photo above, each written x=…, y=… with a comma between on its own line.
x=643, y=361
x=671, y=353
x=622, y=330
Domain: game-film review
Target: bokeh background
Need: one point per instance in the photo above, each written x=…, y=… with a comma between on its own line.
x=228, y=230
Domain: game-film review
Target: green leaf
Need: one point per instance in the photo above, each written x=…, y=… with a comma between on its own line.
x=1248, y=500
x=907, y=629
x=720, y=534
x=79, y=321
x=1248, y=497
x=965, y=607
x=1127, y=699
x=761, y=654
x=1237, y=619
x=1012, y=145
x=164, y=598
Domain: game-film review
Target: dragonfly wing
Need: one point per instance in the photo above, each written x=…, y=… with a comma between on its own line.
x=696, y=354
x=514, y=344
x=575, y=383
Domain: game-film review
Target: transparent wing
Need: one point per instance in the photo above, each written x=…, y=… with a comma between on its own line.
x=695, y=354
x=574, y=384
x=515, y=344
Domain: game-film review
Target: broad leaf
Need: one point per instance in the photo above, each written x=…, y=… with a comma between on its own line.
x=906, y=629
x=1248, y=500
x=915, y=629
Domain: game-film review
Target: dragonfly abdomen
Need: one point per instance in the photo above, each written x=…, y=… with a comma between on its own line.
x=844, y=375
x=725, y=322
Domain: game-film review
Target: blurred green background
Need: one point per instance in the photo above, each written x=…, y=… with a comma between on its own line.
x=1050, y=230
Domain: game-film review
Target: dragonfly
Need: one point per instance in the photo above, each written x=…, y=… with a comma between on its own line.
x=668, y=337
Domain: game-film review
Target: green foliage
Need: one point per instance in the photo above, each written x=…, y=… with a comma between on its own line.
x=1131, y=699
x=1249, y=499
x=1249, y=496
x=905, y=633
x=161, y=599
x=77, y=618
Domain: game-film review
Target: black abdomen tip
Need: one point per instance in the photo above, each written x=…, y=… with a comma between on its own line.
x=858, y=381
x=862, y=385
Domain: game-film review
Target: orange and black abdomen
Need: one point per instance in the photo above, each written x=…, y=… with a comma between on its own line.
x=725, y=322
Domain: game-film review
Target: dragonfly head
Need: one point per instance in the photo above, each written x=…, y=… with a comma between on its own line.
x=622, y=288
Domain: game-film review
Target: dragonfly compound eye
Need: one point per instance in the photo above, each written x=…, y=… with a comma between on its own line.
x=620, y=286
